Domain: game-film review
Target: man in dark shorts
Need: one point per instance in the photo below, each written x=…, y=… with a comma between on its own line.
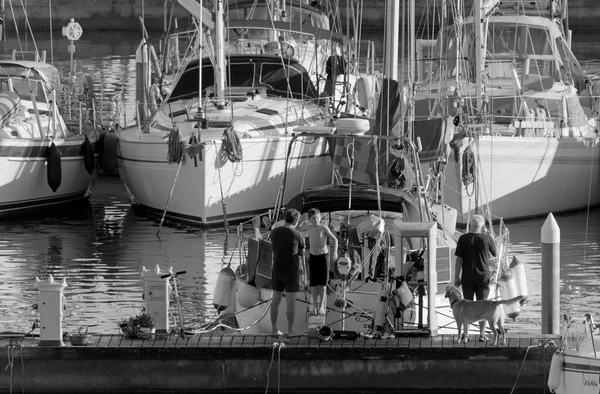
x=288, y=250
x=473, y=251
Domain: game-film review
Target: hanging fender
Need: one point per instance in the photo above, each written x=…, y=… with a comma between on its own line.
x=247, y=295
x=508, y=290
x=380, y=309
x=222, y=295
x=517, y=271
x=556, y=371
x=89, y=159
x=54, y=171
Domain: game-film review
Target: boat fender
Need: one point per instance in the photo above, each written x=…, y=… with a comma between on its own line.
x=517, y=271
x=324, y=333
x=380, y=309
x=89, y=159
x=247, y=295
x=222, y=295
x=508, y=290
x=109, y=152
x=54, y=171
x=404, y=293
x=556, y=371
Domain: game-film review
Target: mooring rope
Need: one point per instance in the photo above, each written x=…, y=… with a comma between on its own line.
x=276, y=345
x=10, y=352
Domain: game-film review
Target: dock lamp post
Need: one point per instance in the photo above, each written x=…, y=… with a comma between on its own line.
x=73, y=32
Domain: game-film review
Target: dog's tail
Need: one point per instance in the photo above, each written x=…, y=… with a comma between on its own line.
x=515, y=299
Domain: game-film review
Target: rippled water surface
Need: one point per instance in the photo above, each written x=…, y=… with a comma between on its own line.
x=101, y=248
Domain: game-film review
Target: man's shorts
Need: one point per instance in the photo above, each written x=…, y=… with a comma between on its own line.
x=289, y=287
x=319, y=269
x=480, y=291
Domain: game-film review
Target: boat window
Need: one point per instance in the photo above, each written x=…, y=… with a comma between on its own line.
x=276, y=77
x=4, y=86
x=24, y=88
x=237, y=75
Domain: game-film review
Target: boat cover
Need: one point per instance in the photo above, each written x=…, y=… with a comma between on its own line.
x=332, y=198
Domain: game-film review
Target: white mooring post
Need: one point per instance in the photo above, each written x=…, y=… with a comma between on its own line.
x=156, y=295
x=50, y=307
x=550, y=276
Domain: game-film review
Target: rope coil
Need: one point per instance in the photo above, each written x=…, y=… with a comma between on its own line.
x=175, y=151
x=232, y=145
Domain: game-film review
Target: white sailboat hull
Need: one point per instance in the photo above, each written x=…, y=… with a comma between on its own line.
x=578, y=374
x=208, y=190
x=526, y=177
x=23, y=175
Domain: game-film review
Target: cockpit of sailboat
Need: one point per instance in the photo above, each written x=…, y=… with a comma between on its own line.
x=287, y=80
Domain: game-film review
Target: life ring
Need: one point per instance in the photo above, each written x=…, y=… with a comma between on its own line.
x=517, y=271
x=556, y=371
x=54, y=171
x=89, y=158
x=222, y=295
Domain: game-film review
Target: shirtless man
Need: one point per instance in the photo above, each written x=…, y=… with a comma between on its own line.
x=318, y=235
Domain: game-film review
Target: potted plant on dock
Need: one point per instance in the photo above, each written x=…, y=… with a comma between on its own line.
x=144, y=323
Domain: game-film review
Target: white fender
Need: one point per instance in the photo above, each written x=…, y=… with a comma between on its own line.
x=517, y=271
x=508, y=290
x=406, y=296
x=555, y=374
x=222, y=296
x=247, y=295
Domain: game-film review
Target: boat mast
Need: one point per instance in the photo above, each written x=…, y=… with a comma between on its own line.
x=391, y=40
x=479, y=61
x=220, y=49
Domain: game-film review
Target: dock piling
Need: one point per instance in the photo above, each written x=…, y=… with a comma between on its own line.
x=550, y=235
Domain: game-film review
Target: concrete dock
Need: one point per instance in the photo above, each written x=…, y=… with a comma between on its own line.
x=228, y=364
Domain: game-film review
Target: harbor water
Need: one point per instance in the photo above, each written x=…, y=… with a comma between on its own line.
x=102, y=246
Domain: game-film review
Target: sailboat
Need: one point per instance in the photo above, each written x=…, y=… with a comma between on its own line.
x=210, y=146
x=524, y=112
x=396, y=246
x=46, y=160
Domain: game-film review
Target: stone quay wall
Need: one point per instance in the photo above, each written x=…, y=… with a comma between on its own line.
x=123, y=14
